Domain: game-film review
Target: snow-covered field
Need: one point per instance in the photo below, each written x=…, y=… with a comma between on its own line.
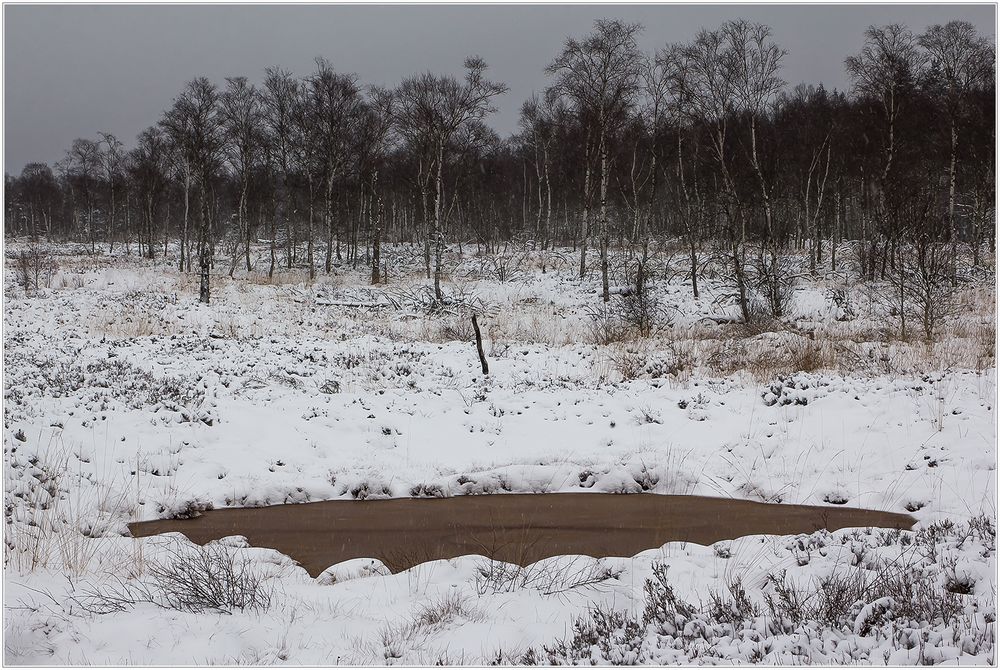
x=126, y=399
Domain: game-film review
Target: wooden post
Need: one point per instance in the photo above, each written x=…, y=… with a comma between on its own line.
x=479, y=346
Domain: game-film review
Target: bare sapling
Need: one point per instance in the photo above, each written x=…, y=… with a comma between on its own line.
x=479, y=346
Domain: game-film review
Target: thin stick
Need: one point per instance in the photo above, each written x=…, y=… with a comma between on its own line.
x=479, y=346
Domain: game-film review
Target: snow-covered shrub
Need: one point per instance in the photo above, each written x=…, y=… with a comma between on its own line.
x=914, y=604
x=634, y=311
x=211, y=578
x=355, y=568
x=628, y=362
x=548, y=576
x=369, y=490
x=734, y=607
x=640, y=307
x=839, y=600
x=601, y=637
x=606, y=325
x=427, y=491
x=773, y=278
x=459, y=327
x=504, y=265
x=843, y=303
x=664, y=609
x=34, y=268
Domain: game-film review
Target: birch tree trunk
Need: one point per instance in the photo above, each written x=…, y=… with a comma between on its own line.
x=584, y=231
x=240, y=222
x=820, y=194
x=689, y=216
x=836, y=230
x=376, y=232
x=438, y=224
x=309, y=239
x=203, y=246
x=548, y=207
x=604, y=220
x=149, y=220
x=166, y=230
x=423, y=179
x=952, y=228
x=184, y=230
x=111, y=221
x=246, y=218
x=328, y=216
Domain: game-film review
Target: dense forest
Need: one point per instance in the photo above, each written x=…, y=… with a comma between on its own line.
x=700, y=143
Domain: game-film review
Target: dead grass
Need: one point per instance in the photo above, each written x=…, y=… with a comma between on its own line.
x=410, y=636
x=281, y=277
x=57, y=518
x=231, y=326
x=864, y=340
x=549, y=577
x=445, y=609
x=781, y=352
x=129, y=325
x=64, y=281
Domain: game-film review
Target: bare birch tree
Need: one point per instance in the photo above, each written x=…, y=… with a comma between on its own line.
x=885, y=72
x=281, y=90
x=112, y=156
x=959, y=61
x=431, y=109
x=335, y=102
x=196, y=125
x=599, y=75
x=242, y=121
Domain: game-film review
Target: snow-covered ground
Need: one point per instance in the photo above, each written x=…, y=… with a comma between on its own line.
x=125, y=399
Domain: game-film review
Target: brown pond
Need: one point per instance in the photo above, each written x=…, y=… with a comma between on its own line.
x=516, y=528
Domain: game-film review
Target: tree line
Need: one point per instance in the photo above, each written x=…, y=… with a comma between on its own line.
x=700, y=142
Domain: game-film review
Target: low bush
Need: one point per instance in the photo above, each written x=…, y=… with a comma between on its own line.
x=549, y=577
x=196, y=579
x=34, y=269
x=916, y=607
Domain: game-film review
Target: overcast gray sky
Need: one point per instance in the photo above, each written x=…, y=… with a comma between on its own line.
x=74, y=70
